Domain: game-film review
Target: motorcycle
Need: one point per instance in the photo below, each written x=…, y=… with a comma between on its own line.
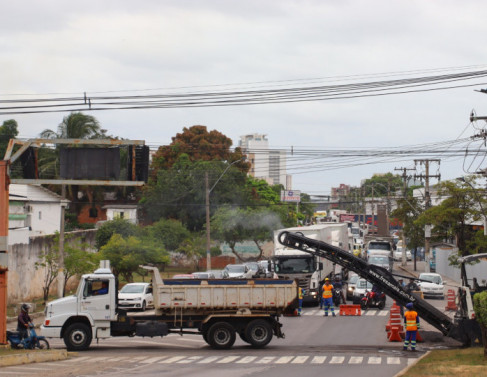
x=32, y=341
x=373, y=300
x=337, y=296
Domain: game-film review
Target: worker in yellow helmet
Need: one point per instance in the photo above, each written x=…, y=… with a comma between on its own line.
x=301, y=293
x=328, y=297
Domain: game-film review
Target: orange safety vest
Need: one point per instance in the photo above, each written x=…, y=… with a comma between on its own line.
x=300, y=293
x=327, y=291
x=410, y=318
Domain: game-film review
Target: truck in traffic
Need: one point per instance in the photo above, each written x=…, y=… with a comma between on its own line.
x=310, y=271
x=217, y=309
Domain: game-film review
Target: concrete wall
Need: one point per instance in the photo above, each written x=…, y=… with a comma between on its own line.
x=24, y=281
x=478, y=270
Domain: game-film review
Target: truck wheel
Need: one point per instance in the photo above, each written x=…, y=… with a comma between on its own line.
x=221, y=335
x=258, y=333
x=243, y=337
x=77, y=337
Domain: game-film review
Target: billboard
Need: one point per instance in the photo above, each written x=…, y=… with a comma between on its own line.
x=290, y=196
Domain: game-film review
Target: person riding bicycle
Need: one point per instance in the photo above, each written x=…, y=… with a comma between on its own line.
x=24, y=321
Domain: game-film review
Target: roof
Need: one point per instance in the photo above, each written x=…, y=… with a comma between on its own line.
x=34, y=193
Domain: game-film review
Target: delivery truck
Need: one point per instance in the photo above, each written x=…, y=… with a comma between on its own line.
x=217, y=309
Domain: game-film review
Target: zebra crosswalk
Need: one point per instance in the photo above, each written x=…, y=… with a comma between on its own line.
x=110, y=362
x=320, y=312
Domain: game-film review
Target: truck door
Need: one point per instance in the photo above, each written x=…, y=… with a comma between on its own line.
x=97, y=299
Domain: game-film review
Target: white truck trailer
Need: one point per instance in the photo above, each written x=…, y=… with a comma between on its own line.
x=217, y=309
x=309, y=270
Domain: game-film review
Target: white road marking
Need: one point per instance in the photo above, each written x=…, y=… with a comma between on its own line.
x=190, y=360
x=337, y=360
x=370, y=312
x=247, y=359
x=284, y=359
x=356, y=360
x=172, y=360
x=153, y=360
x=374, y=360
x=300, y=359
x=383, y=313
x=393, y=360
x=209, y=360
x=265, y=360
x=318, y=360
x=228, y=359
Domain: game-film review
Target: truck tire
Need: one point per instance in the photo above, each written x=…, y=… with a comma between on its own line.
x=243, y=337
x=77, y=337
x=258, y=333
x=221, y=335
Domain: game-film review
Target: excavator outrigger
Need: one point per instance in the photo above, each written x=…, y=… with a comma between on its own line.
x=463, y=328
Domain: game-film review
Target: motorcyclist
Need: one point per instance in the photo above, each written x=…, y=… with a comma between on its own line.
x=337, y=284
x=376, y=292
x=412, y=286
x=24, y=321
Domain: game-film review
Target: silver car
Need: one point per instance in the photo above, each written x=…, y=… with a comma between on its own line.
x=238, y=271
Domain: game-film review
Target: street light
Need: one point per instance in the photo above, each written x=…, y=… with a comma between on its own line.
x=208, y=192
x=462, y=179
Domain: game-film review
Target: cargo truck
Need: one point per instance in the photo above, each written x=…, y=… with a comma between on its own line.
x=217, y=309
x=310, y=271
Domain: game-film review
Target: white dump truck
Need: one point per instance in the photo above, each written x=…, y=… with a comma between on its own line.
x=217, y=309
x=309, y=270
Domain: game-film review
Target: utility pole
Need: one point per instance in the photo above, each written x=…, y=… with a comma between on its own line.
x=60, y=276
x=428, y=253
x=207, y=201
x=405, y=179
x=4, y=186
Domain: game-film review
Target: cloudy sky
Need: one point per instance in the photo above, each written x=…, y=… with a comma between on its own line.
x=159, y=46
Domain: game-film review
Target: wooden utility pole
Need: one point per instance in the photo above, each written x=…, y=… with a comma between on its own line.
x=428, y=253
x=207, y=205
x=405, y=179
x=4, y=183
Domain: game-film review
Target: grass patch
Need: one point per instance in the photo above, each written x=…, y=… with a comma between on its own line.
x=468, y=362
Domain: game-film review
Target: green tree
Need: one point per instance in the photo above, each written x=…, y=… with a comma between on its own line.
x=382, y=184
x=76, y=126
x=452, y=217
x=171, y=233
x=480, y=308
x=118, y=226
x=179, y=191
x=48, y=260
x=408, y=211
x=194, y=247
x=234, y=225
x=126, y=255
x=8, y=130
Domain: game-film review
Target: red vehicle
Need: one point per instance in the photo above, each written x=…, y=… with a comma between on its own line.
x=373, y=300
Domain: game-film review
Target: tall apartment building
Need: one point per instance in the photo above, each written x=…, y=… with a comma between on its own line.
x=266, y=164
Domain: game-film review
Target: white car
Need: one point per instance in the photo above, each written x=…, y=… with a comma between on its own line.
x=238, y=271
x=136, y=296
x=361, y=286
x=398, y=254
x=432, y=286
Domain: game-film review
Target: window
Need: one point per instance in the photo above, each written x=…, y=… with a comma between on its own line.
x=96, y=288
x=40, y=215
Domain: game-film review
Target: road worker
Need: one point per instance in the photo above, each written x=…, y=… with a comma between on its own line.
x=301, y=293
x=328, y=297
x=411, y=320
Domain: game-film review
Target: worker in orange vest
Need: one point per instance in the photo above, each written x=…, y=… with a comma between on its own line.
x=411, y=320
x=301, y=292
x=328, y=297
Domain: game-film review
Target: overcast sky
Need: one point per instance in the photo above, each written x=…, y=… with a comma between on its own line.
x=53, y=47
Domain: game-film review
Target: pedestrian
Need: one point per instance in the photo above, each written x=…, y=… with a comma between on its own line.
x=301, y=292
x=328, y=297
x=411, y=320
x=412, y=286
x=23, y=321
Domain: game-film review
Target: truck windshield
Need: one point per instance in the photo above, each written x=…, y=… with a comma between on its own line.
x=379, y=246
x=294, y=265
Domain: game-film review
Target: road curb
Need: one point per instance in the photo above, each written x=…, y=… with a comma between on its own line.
x=404, y=371
x=34, y=356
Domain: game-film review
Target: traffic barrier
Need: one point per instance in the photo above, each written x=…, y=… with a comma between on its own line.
x=451, y=301
x=350, y=310
x=395, y=330
x=394, y=335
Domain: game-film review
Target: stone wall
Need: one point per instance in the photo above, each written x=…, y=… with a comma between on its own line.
x=24, y=281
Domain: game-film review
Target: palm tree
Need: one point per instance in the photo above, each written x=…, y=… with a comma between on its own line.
x=76, y=126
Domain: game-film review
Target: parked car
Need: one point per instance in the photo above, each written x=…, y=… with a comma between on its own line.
x=350, y=285
x=136, y=296
x=238, y=271
x=219, y=274
x=360, y=287
x=203, y=275
x=268, y=273
x=381, y=261
x=183, y=276
x=433, y=286
x=257, y=270
x=398, y=254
